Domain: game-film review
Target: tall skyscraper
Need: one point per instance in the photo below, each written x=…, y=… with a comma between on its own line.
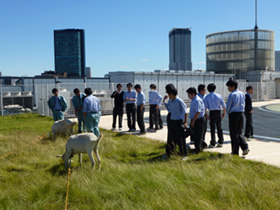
x=69, y=50
x=277, y=60
x=180, y=49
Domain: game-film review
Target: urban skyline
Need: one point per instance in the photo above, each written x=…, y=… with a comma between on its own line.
x=127, y=36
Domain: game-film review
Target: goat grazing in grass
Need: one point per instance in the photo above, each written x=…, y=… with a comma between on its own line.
x=82, y=143
x=63, y=127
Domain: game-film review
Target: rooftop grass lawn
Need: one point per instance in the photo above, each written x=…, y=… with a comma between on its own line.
x=132, y=176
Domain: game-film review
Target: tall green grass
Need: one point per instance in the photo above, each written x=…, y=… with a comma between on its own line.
x=132, y=176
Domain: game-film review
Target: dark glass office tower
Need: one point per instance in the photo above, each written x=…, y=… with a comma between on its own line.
x=180, y=49
x=69, y=52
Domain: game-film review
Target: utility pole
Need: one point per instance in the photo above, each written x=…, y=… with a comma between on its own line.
x=256, y=37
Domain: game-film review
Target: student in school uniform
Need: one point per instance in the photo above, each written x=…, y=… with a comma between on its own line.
x=170, y=144
x=214, y=103
x=235, y=107
x=196, y=114
x=202, y=94
x=130, y=99
x=177, y=121
x=248, y=113
x=155, y=100
x=140, y=102
x=118, y=108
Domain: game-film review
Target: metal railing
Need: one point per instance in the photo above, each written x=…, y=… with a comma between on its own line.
x=36, y=96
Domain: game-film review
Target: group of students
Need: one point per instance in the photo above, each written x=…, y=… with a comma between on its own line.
x=87, y=109
x=208, y=107
x=203, y=108
x=135, y=108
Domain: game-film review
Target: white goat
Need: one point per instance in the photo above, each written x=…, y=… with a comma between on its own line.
x=82, y=143
x=63, y=127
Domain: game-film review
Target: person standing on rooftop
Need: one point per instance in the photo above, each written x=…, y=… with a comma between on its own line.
x=92, y=112
x=141, y=100
x=118, y=108
x=196, y=114
x=202, y=94
x=235, y=107
x=130, y=99
x=57, y=104
x=77, y=102
x=155, y=100
x=248, y=113
x=178, y=121
x=214, y=103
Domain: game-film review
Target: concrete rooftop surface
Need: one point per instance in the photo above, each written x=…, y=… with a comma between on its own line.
x=262, y=148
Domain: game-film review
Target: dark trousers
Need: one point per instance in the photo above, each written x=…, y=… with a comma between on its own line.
x=170, y=145
x=198, y=131
x=203, y=144
x=216, y=121
x=205, y=129
x=249, y=125
x=131, y=114
x=159, y=119
x=140, y=119
x=118, y=111
x=154, y=118
x=176, y=138
x=235, y=130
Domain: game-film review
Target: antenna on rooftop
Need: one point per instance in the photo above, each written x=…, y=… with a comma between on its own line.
x=256, y=14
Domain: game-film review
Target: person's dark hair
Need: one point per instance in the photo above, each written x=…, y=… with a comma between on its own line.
x=211, y=87
x=249, y=88
x=119, y=85
x=170, y=85
x=54, y=90
x=172, y=90
x=191, y=90
x=88, y=91
x=137, y=86
x=232, y=83
x=129, y=84
x=153, y=86
x=200, y=87
x=76, y=90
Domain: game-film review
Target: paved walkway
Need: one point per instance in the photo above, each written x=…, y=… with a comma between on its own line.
x=260, y=150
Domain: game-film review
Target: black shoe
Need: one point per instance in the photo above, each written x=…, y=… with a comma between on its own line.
x=160, y=127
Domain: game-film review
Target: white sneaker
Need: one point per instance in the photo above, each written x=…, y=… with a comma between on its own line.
x=211, y=146
x=245, y=152
x=120, y=129
x=113, y=129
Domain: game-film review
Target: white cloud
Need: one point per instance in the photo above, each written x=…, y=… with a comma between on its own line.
x=145, y=59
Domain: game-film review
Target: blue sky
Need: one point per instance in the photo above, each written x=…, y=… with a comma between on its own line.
x=121, y=35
